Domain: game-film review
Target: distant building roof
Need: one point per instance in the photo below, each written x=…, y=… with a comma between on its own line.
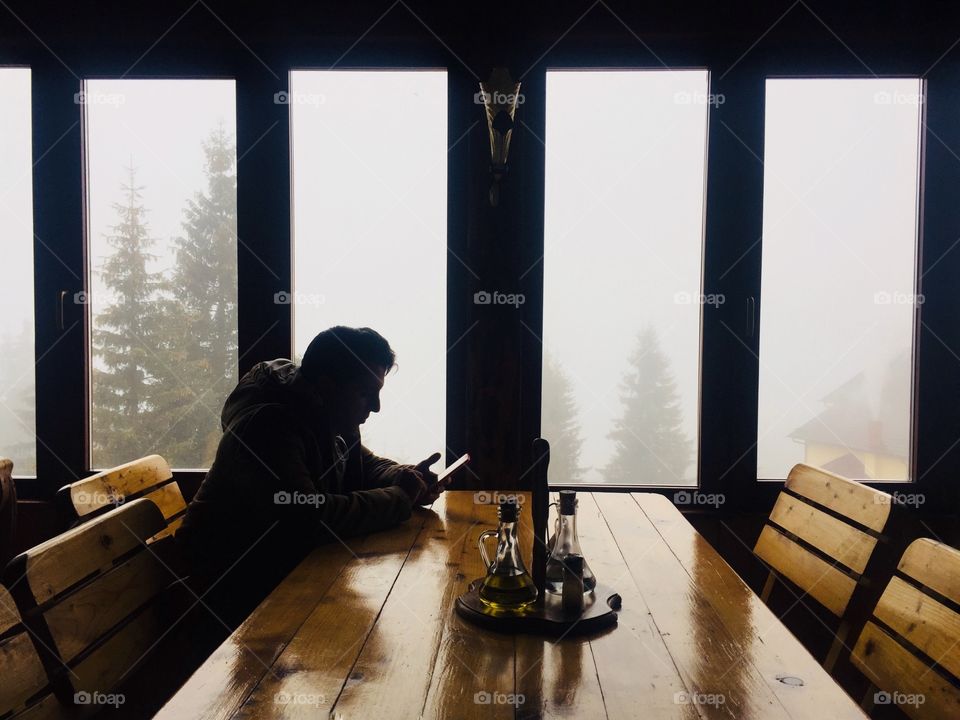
x=848, y=421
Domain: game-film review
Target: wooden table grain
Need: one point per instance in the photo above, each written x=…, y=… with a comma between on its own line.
x=366, y=629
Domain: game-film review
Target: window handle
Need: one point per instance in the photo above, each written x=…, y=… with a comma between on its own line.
x=751, y=316
x=61, y=301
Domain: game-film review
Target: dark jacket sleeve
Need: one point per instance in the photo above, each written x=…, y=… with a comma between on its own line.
x=267, y=454
x=380, y=472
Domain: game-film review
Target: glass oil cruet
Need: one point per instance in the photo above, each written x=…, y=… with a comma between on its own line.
x=508, y=585
x=564, y=543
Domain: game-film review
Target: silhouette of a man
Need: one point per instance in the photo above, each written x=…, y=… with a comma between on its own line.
x=290, y=471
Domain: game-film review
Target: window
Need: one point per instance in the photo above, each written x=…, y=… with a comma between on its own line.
x=17, y=374
x=162, y=247
x=625, y=175
x=369, y=156
x=840, y=218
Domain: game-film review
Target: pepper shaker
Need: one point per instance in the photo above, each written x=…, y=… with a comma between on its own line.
x=573, y=585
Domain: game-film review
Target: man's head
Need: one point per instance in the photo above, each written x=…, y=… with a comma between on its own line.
x=347, y=367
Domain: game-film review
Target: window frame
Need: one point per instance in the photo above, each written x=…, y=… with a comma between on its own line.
x=732, y=228
x=912, y=475
x=702, y=316
x=29, y=481
x=192, y=474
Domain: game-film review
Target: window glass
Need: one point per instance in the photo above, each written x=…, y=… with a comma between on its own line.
x=18, y=413
x=840, y=199
x=625, y=174
x=369, y=163
x=162, y=248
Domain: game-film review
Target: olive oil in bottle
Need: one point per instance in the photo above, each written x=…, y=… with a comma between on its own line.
x=508, y=585
x=508, y=592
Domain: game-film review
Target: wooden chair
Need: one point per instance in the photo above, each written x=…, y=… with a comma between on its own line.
x=910, y=647
x=97, y=597
x=148, y=477
x=24, y=691
x=820, y=536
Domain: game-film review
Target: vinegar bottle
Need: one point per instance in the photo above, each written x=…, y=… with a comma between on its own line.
x=564, y=543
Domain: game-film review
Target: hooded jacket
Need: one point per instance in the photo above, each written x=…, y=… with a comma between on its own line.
x=282, y=482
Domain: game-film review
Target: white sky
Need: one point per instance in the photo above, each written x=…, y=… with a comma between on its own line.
x=370, y=234
x=16, y=231
x=624, y=233
x=158, y=126
x=840, y=225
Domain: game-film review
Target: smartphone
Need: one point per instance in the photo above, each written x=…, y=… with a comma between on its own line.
x=463, y=460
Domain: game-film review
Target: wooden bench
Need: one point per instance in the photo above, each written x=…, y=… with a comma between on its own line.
x=149, y=477
x=96, y=597
x=910, y=647
x=24, y=690
x=820, y=536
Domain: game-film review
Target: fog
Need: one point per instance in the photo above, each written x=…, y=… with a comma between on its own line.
x=17, y=374
x=152, y=133
x=625, y=166
x=839, y=257
x=156, y=127
x=370, y=234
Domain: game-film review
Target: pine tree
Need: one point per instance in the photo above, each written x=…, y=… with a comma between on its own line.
x=559, y=425
x=651, y=446
x=200, y=317
x=126, y=365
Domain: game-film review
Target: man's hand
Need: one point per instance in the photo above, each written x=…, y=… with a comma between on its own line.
x=411, y=483
x=433, y=487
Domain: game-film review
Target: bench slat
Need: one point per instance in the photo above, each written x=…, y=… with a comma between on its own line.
x=835, y=538
x=812, y=574
x=888, y=665
x=57, y=564
x=116, y=484
x=849, y=498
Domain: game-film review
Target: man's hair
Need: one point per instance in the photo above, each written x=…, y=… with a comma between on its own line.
x=345, y=353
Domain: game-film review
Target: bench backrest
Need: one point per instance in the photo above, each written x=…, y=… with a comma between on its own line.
x=821, y=534
x=910, y=647
x=94, y=596
x=24, y=688
x=149, y=477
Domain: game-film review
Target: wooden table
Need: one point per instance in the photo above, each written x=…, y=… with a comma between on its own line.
x=369, y=631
